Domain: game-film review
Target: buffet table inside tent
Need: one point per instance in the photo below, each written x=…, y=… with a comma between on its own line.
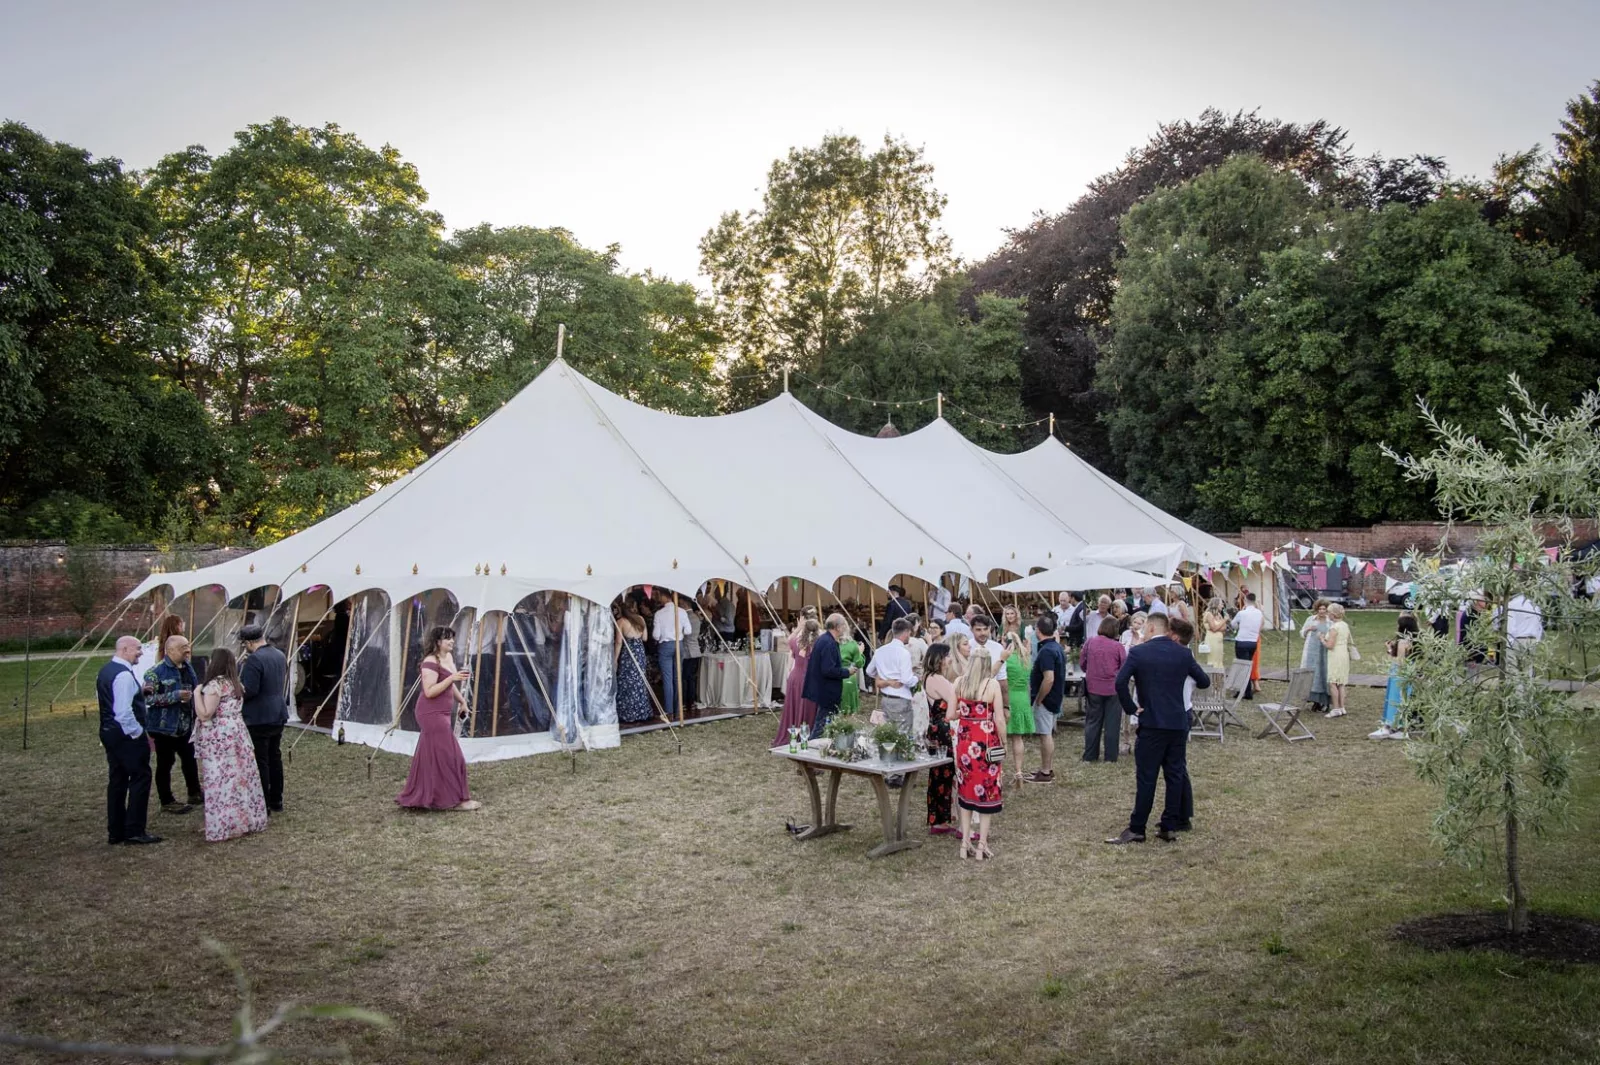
x=724, y=679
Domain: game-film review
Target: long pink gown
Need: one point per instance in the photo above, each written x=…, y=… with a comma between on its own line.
x=797, y=711
x=438, y=776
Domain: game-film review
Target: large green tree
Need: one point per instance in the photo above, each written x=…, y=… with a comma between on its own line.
x=93, y=443
x=1266, y=342
x=1064, y=266
x=915, y=350
x=841, y=234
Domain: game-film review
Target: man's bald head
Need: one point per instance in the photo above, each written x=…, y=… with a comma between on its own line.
x=177, y=647
x=128, y=648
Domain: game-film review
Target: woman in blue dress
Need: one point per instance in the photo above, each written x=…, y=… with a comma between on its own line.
x=633, y=695
x=1394, y=697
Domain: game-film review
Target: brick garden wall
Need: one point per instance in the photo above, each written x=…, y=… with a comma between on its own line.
x=113, y=572
x=1390, y=540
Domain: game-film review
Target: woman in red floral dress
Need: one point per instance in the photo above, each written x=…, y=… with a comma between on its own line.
x=980, y=727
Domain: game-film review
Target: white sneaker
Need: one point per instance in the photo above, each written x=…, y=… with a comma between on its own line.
x=1336, y=712
x=1398, y=736
x=1383, y=733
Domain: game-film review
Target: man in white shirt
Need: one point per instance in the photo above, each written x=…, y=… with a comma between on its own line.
x=892, y=669
x=122, y=708
x=1524, y=628
x=1249, y=621
x=670, y=624
x=939, y=607
x=1157, y=604
x=955, y=623
x=982, y=628
x=1096, y=617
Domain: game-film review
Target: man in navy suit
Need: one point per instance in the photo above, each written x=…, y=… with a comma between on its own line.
x=1159, y=666
x=825, y=673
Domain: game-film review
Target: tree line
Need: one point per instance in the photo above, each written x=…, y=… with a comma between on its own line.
x=1234, y=321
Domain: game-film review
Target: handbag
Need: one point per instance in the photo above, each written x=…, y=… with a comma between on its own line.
x=1205, y=647
x=995, y=755
x=1355, y=653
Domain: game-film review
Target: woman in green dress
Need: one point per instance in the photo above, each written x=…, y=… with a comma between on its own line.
x=850, y=655
x=1018, y=667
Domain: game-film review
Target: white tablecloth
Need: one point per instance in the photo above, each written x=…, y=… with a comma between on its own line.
x=782, y=663
x=724, y=679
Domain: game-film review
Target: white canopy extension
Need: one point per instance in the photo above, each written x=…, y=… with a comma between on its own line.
x=1084, y=576
x=1160, y=559
x=1103, y=511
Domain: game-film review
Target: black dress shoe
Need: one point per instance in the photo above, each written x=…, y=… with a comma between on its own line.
x=1185, y=826
x=175, y=808
x=1166, y=835
x=1128, y=836
x=143, y=840
x=115, y=842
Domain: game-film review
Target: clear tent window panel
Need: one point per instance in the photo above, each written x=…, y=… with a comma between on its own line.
x=365, y=698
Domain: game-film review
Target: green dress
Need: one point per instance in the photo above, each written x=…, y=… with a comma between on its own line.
x=850, y=655
x=1019, y=708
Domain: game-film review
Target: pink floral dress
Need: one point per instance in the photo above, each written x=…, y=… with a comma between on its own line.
x=228, y=774
x=979, y=787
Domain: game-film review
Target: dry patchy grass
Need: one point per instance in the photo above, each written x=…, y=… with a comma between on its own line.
x=646, y=905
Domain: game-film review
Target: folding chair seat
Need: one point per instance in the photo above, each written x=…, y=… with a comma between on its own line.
x=1233, y=686
x=1284, y=718
x=1210, y=709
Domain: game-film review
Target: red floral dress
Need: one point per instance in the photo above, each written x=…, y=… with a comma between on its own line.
x=941, y=779
x=979, y=787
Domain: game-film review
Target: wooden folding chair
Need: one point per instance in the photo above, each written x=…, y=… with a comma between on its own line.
x=1233, y=686
x=1210, y=710
x=1284, y=718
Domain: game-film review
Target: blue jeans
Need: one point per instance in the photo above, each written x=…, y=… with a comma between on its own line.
x=820, y=722
x=667, y=656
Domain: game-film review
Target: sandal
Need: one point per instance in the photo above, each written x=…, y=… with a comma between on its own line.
x=470, y=804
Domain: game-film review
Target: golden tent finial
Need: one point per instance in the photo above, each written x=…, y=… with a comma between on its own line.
x=413, y=569
x=358, y=569
x=502, y=569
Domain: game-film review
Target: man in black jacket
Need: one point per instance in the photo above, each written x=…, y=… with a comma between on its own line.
x=825, y=673
x=896, y=608
x=265, y=677
x=1160, y=666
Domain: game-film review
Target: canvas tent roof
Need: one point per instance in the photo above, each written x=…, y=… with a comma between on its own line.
x=570, y=487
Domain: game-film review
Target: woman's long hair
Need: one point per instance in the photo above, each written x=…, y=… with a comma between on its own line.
x=436, y=635
x=933, y=662
x=223, y=665
x=171, y=625
x=810, y=629
x=980, y=671
x=1011, y=622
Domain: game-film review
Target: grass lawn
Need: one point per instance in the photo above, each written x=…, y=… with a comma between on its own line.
x=647, y=906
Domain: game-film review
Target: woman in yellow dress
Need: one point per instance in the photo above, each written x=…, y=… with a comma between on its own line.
x=1216, y=630
x=1337, y=641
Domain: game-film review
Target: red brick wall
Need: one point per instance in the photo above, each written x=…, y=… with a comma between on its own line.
x=120, y=571
x=1391, y=540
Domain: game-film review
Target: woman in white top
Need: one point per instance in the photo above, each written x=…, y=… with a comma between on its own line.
x=917, y=644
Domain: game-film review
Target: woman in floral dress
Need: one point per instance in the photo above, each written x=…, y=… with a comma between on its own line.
x=980, y=728
x=938, y=669
x=633, y=692
x=235, y=805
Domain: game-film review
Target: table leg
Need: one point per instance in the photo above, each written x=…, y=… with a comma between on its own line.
x=822, y=814
x=894, y=819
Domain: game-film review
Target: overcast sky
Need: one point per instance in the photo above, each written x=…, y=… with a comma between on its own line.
x=639, y=123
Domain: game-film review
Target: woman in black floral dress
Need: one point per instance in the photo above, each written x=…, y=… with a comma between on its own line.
x=937, y=668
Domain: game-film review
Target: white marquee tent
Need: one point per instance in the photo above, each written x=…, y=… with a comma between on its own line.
x=521, y=531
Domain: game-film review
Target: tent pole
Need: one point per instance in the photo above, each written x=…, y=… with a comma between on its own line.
x=927, y=614
x=477, y=668
x=677, y=653
x=750, y=638
x=499, y=655
x=344, y=667
x=751, y=679
x=872, y=617
x=405, y=653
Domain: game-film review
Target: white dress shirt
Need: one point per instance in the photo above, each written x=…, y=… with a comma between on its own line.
x=1158, y=607
x=957, y=625
x=123, y=689
x=1526, y=621
x=661, y=626
x=893, y=662
x=1249, y=620
x=992, y=648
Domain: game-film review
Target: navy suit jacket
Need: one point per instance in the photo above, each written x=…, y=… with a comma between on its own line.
x=1160, y=666
x=825, y=673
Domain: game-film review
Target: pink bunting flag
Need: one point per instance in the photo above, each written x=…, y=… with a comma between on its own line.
x=1381, y=564
x=1551, y=553
x=1268, y=556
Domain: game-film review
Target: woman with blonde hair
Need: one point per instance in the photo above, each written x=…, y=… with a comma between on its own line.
x=1337, y=641
x=1216, y=632
x=1018, y=668
x=980, y=743
x=798, y=711
x=960, y=649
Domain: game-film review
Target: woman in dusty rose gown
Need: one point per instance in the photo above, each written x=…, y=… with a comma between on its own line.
x=228, y=776
x=438, y=776
x=798, y=711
